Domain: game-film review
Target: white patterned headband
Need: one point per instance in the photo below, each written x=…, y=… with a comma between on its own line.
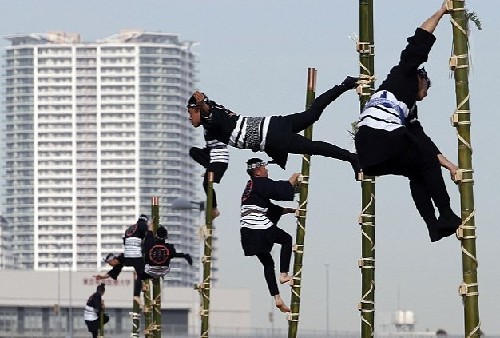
x=256, y=165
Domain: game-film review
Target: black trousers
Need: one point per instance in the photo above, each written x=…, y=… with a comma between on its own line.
x=267, y=261
x=301, y=145
x=93, y=325
x=202, y=157
x=427, y=185
x=138, y=264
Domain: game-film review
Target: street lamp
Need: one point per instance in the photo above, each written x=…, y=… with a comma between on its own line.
x=184, y=204
x=327, y=268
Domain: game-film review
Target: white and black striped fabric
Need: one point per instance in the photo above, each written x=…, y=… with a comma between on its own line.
x=218, y=151
x=383, y=111
x=250, y=133
x=254, y=217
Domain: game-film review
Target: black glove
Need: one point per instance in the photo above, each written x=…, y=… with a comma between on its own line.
x=350, y=82
x=188, y=259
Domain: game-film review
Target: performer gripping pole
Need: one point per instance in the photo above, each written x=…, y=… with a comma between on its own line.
x=293, y=321
x=365, y=48
x=459, y=64
x=391, y=141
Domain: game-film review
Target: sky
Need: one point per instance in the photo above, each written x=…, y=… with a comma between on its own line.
x=253, y=58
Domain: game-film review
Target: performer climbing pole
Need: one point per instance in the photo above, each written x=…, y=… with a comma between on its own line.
x=365, y=48
x=204, y=286
x=293, y=320
x=459, y=64
x=157, y=282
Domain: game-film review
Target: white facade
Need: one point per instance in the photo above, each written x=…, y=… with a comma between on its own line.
x=27, y=312
x=92, y=132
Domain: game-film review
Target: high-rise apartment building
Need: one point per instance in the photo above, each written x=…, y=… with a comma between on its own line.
x=92, y=132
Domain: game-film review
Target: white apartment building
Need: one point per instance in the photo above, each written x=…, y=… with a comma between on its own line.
x=92, y=132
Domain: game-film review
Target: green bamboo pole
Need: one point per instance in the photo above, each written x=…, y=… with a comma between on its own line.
x=148, y=309
x=204, y=286
x=157, y=282
x=293, y=320
x=459, y=63
x=136, y=316
x=101, y=323
x=365, y=48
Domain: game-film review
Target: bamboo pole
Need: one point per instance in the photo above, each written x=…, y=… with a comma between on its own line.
x=157, y=282
x=365, y=48
x=204, y=286
x=459, y=64
x=136, y=316
x=101, y=323
x=293, y=320
x=148, y=309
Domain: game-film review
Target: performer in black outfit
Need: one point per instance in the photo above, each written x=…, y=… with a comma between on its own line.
x=259, y=218
x=276, y=135
x=93, y=309
x=214, y=158
x=158, y=253
x=391, y=140
x=132, y=241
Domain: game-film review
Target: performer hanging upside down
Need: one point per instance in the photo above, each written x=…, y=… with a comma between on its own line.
x=391, y=140
x=93, y=309
x=214, y=158
x=132, y=256
x=158, y=253
x=259, y=218
x=276, y=135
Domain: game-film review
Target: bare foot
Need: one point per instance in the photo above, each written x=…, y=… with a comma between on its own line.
x=280, y=304
x=285, y=278
x=137, y=299
x=215, y=213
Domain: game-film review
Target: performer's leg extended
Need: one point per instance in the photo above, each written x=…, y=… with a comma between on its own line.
x=267, y=261
x=301, y=145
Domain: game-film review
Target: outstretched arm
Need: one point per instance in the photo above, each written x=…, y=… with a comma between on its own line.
x=100, y=277
x=431, y=23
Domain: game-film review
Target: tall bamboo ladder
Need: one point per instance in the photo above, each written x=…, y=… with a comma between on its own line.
x=293, y=318
x=459, y=64
x=365, y=48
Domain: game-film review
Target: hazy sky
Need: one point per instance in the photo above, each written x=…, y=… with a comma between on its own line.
x=254, y=57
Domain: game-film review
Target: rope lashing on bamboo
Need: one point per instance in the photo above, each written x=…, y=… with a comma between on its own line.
x=450, y=7
x=135, y=316
x=364, y=215
x=461, y=173
x=204, y=232
x=455, y=120
x=298, y=248
x=296, y=285
x=462, y=227
x=302, y=207
x=459, y=61
x=366, y=263
x=475, y=331
x=463, y=289
x=155, y=301
x=293, y=317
